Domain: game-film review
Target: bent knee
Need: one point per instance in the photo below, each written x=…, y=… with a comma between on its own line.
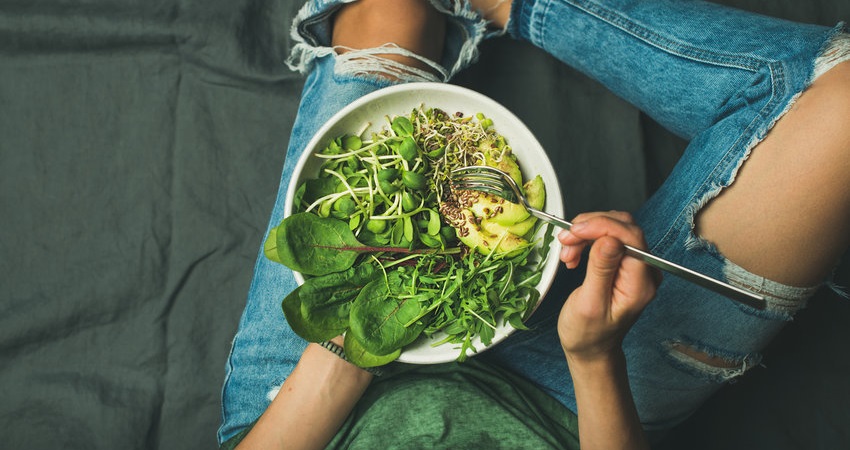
x=786, y=214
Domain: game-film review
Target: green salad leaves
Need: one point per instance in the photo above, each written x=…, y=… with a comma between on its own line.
x=384, y=264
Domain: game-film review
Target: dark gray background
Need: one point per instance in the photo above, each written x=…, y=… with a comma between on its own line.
x=140, y=150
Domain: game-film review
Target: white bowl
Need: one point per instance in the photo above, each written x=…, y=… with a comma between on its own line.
x=400, y=100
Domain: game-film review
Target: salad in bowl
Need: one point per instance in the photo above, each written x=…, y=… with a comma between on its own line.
x=387, y=253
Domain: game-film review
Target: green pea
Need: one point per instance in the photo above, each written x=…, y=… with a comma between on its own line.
x=486, y=123
x=408, y=149
x=414, y=180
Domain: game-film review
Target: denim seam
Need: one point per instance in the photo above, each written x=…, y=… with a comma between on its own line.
x=223, y=410
x=667, y=44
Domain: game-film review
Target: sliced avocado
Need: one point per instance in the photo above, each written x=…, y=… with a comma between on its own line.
x=520, y=228
x=497, y=210
x=506, y=161
x=535, y=191
x=482, y=241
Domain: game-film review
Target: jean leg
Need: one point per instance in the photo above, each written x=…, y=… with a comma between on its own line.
x=681, y=62
x=721, y=78
x=265, y=350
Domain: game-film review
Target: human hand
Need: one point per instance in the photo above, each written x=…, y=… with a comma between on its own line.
x=598, y=313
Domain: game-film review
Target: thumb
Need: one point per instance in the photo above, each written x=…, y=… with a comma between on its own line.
x=602, y=266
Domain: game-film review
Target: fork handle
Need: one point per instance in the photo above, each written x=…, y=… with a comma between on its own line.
x=734, y=293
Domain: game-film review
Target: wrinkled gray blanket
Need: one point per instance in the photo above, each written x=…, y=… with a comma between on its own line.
x=140, y=150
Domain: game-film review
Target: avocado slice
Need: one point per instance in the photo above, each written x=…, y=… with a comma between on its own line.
x=535, y=191
x=506, y=161
x=482, y=241
x=497, y=210
x=520, y=228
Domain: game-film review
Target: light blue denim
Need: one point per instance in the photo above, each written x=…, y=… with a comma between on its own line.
x=716, y=76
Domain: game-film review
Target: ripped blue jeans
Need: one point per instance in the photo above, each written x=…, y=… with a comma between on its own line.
x=716, y=76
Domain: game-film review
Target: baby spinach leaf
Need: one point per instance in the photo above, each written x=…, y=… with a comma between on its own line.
x=316, y=331
x=379, y=317
x=315, y=189
x=270, y=246
x=358, y=355
x=319, y=309
x=313, y=245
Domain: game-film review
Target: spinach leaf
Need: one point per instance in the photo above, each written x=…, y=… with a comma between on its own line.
x=313, y=245
x=380, y=316
x=359, y=356
x=270, y=246
x=317, y=331
x=314, y=189
x=319, y=309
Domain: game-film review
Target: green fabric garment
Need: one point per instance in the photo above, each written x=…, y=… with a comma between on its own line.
x=456, y=406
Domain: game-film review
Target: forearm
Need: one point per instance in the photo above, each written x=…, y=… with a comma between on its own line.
x=311, y=405
x=607, y=416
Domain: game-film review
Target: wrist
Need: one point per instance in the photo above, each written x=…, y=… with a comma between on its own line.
x=605, y=362
x=335, y=347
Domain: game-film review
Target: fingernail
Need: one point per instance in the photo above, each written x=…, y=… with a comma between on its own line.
x=578, y=226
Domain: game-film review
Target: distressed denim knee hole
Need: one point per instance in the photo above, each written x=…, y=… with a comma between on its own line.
x=373, y=62
x=707, y=363
x=783, y=300
x=466, y=28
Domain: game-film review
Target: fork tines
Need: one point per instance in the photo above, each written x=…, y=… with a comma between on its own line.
x=483, y=179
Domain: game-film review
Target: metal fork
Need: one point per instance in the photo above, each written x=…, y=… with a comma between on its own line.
x=494, y=181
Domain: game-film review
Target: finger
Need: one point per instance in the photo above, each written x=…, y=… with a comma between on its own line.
x=568, y=238
x=570, y=255
x=571, y=249
x=605, y=225
x=574, y=243
x=621, y=216
x=602, y=266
